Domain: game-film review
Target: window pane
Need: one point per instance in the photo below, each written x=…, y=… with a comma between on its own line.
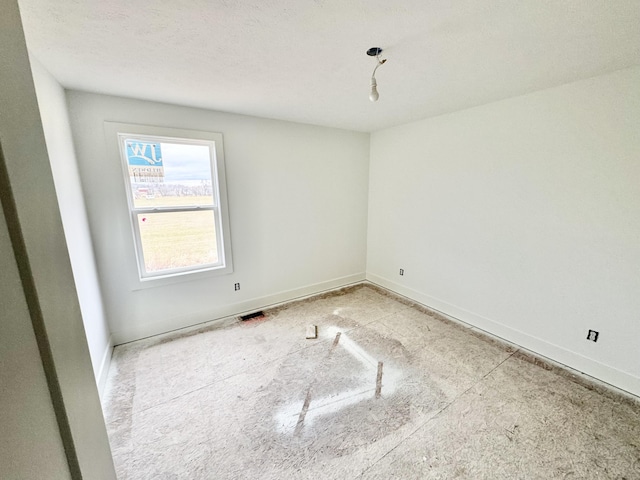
x=178, y=239
x=169, y=174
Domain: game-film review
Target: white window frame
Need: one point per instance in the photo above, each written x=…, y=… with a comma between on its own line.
x=117, y=133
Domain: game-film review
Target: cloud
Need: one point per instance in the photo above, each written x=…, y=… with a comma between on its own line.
x=185, y=163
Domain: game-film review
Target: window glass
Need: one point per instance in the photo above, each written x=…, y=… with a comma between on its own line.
x=172, y=240
x=165, y=174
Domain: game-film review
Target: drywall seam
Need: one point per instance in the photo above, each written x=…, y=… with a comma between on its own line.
x=155, y=328
x=601, y=372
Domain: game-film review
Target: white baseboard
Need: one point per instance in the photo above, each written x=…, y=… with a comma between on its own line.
x=558, y=354
x=103, y=372
x=149, y=329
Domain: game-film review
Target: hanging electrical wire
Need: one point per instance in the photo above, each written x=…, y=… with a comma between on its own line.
x=375, y=52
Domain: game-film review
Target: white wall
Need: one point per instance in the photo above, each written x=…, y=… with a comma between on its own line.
x=521, y=217
x=32, y=215
x=298, y=212
x=57, y=131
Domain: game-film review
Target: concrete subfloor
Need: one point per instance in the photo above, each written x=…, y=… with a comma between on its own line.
x=387, y=390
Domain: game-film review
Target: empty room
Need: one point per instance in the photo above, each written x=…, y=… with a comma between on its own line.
x=320, y=239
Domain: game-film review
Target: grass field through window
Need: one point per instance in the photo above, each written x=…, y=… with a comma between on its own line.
x=177, y=239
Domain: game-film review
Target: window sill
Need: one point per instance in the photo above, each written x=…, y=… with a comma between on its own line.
x=170, y=279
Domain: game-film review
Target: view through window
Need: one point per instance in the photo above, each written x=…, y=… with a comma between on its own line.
x=174, y=200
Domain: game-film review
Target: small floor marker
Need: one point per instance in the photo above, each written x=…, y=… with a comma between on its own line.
x=312, y=331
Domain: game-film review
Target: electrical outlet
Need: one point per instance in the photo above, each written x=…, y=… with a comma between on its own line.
x=593, y=335
x=236, y=287
x=402, y=271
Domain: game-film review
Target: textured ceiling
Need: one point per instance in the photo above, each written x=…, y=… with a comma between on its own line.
x=305, y=60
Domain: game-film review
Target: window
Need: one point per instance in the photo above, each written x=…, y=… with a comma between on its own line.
x=175, y=188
